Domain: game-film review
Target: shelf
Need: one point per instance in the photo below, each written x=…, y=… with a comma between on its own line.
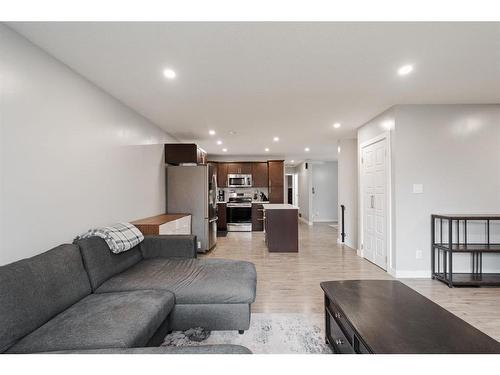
x=467, y=217
x=472, y=247
x=470, y=279
x=442, y=270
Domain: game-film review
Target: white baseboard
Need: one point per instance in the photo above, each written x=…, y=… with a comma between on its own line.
x=359, y=253
x=422, y=274
x=326, y=221
x=305, y=221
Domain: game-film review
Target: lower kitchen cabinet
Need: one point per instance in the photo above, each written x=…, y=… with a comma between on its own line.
x=222, y=214
x=257, y=217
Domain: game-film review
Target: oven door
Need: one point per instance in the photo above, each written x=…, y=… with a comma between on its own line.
x=239, y=214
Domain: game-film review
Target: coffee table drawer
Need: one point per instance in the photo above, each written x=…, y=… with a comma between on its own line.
x=336, y=336
x=341, y=321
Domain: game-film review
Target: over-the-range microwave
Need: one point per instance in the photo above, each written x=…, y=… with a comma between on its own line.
x=239, y=180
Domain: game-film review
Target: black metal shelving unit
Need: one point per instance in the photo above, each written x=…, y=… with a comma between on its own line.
x=442, y=251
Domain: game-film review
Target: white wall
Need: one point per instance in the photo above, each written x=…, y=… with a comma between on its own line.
x=325, y=186
x=71, y=156
x=304, y=191
x=348, y=190
x=454, y=151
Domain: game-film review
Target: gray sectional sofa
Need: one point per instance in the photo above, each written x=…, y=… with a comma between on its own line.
x=83, y=298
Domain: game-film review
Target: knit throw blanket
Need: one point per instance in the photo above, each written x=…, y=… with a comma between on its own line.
x=119, y=237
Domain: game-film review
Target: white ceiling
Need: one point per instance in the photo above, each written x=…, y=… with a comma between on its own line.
x=292, y=80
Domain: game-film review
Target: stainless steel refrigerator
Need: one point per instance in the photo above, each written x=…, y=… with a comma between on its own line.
x=193, y=190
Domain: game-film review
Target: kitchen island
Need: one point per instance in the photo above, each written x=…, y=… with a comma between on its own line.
x=281, y=226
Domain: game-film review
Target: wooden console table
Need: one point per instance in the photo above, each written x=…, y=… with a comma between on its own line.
x=388, y=317
x=457, y=242
x=165, y=224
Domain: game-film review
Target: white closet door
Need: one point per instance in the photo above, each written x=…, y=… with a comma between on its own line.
x=374, y=168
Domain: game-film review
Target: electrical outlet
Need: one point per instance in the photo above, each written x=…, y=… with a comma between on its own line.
x=418, y=254
x=199, y=244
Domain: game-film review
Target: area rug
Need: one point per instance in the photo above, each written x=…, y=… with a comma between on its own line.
x=268, y=334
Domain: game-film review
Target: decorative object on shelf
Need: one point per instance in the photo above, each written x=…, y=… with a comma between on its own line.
x=447, y=241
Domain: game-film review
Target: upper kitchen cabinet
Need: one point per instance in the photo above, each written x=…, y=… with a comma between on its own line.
x=222, y=174
x=276, y=171
x=183, y=153
x=259, y=175
x=239, y=168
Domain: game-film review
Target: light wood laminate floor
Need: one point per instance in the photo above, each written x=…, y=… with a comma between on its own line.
x=289, y=282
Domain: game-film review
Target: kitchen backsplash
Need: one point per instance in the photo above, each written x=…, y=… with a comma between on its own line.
x=250, y=191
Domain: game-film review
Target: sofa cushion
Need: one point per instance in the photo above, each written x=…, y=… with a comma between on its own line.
x=101, y=263
x=109, y=320
x=193, y=281
x=34, y=290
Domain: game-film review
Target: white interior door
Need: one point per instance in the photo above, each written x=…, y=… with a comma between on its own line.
x=374, y=169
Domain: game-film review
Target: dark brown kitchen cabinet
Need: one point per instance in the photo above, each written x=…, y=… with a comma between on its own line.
x=276, y=172
x=178, y=153
x=276, y=194
x=276, y=175
x=257, y=217
x=221, y=213
x=246, y=168
x=222, y=174
x=239, y=168
x=259, y=175
x=282, y=229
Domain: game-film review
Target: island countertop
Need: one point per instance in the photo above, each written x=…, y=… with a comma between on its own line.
x=279, y=206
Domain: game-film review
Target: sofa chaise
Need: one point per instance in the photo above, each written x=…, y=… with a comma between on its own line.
x=82, y=298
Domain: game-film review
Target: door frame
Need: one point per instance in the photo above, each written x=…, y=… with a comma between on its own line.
x=389, y=243
x=294, y=188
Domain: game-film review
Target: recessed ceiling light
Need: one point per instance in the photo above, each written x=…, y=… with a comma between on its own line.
x=307, y=149
x=405, y=69
x=276, y=139
x=211, y=132
x=337, y=125
x=224, y=150
x=292, y=161
x=219, y=142
x=266, y=150
x=169, y=73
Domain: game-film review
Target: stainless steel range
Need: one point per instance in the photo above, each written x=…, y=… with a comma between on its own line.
x=239, y=213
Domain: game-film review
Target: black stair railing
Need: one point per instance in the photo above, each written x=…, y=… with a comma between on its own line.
x=342, y=234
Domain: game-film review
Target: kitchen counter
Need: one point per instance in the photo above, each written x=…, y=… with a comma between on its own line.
x=279, y=206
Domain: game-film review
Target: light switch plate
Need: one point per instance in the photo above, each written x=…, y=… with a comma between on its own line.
x=418, y=188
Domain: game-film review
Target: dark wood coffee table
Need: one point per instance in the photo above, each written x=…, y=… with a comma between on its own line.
x=386, y=316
